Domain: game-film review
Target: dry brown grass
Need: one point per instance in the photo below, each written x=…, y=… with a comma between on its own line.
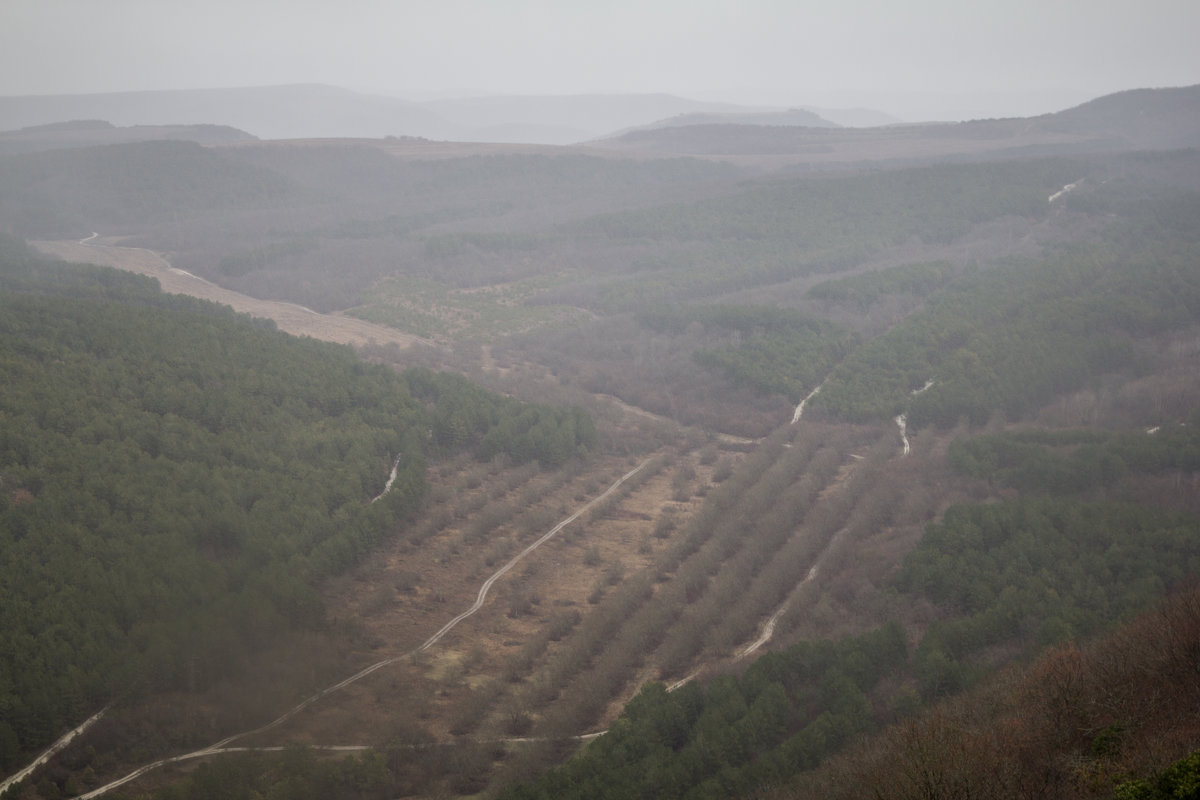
x=289, y=317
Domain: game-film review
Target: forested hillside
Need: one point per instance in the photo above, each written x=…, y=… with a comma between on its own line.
x=1010, y=339
x=126, y=186
x=1111, y=719
x=174, y=479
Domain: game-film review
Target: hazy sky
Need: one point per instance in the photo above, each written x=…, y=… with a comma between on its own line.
x=891, y=54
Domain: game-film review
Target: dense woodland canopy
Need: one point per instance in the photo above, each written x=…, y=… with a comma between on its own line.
x=1010, y=339
x=174, y=478
x=1069, y=461
x=775, y=351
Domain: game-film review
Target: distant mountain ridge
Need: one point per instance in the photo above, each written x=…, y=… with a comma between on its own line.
x=274, y=112
x=567, y=119
x=309, y=111
x=1140, y=119
x=313, y=111
x=646, y=124
x=779, y=118
x=793, y=117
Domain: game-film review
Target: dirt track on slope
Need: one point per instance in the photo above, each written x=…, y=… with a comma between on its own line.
x=289, y=317
x=223, y=745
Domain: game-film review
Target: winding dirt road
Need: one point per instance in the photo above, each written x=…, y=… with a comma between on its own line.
x=51, y=751
x=223, y=745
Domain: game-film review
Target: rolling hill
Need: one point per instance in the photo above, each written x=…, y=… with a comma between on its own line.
x=1144, y=119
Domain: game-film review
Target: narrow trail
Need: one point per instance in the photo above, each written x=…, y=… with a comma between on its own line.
x=387, y=487
x=767, y=632
x=902, y=419
x=768, y=629
x=1070, y=187
x=51, y=751
x=223, y=745
x=324, y=748
x=800, y=408
x=487, y=585
x=679, y=684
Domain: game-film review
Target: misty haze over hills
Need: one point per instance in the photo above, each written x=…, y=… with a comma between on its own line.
x=317, y=111
x=656, y=125
x=837, y=415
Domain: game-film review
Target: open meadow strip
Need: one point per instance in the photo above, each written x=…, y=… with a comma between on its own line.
x=597, y=629
x=584, y=699
x=584, y=640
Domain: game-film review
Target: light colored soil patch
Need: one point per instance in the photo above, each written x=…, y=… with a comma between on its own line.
x=289, y=317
